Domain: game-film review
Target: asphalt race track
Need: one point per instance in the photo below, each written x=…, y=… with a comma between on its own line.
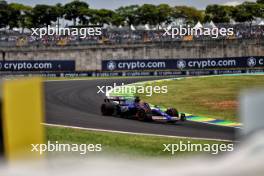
x=76, y=103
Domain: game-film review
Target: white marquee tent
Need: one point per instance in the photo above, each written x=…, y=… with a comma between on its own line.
x=198, y=25
x=132, y=27
x=261, y=23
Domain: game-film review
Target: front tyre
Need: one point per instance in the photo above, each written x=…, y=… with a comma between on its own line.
x=183, y=117
x=172, y=112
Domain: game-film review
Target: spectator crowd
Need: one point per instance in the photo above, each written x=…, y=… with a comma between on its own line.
x=123, y=36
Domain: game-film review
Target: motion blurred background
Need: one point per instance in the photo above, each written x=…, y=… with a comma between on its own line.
x=30, y=107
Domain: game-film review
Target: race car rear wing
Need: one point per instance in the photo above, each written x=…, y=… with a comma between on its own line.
x=119, y=99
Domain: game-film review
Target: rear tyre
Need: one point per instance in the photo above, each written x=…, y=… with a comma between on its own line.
x=141, y=115
x=172, y=112
x=107, y=109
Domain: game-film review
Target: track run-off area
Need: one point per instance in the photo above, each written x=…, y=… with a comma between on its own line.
x=76, y=103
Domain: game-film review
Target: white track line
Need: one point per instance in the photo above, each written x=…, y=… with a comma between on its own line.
x=134, y=133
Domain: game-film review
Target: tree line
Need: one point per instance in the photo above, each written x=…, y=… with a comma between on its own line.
x=18, y=15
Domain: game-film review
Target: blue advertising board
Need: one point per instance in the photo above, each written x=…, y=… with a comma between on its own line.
x=37, y=65
x=183, y=64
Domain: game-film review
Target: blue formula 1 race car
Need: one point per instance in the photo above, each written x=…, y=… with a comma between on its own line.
x=136, y=109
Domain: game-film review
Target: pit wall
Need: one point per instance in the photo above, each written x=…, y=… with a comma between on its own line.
x=90, y=57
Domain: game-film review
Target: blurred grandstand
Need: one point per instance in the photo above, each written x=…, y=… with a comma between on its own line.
x=125, y=35
x=128, y=24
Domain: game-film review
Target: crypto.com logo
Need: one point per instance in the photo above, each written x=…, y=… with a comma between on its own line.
x=251, y=62
x=111, y=65
x=181, y=64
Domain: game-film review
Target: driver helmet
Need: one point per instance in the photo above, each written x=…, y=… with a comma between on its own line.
x=137, y=100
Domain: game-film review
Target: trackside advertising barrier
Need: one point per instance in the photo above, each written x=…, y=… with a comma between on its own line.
x=184, y=64
x=130, y=73
x=37, y=65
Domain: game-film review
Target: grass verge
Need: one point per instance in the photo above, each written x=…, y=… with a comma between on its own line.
x=215, y=97
x=118, y=144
